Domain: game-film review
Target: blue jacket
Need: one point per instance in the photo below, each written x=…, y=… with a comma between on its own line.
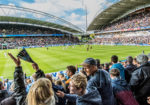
x=92, y=97
x=102, y=81
x=120, y=68
x=59, y=100
x=122, y=92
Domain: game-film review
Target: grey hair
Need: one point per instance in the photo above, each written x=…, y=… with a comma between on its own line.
x=142, y=58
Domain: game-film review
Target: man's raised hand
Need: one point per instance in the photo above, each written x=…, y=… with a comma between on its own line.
x=35, y=66
x=16, y=60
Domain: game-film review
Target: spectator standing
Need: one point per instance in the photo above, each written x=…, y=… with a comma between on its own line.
x=140, y=80
x=129, y=69
x=19, y=95
x=115, y=64
x=121, y=89
x=41, y=93
x=71, y=70
x=99, y=79
x=98, y=63
x=106, y=67
x=78, y=86
x=3, y=93
x=58, y=100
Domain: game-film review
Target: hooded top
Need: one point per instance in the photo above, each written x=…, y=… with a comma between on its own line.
x=128, y=71
x=119, y=84
x=122, y=92
x=120, y=68
x=102, y=81
x=92, y=97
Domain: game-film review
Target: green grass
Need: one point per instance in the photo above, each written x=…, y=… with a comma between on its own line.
x=56, y=58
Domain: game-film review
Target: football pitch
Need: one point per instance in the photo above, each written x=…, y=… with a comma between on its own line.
x=57, y=58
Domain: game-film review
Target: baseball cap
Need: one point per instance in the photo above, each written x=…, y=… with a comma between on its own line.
x=89, y=61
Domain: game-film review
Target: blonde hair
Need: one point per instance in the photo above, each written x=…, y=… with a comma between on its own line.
x=80, y=81
x=59, y=82
x=40, y=92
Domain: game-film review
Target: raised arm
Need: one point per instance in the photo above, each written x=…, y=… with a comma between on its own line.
x=39, y=73
x=19, y=86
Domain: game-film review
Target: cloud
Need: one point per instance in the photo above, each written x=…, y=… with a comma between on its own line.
x=12, y=4
x=55, y=7
x=59, y=8
x=65, y=9
x=77, y=20
x=94, y=7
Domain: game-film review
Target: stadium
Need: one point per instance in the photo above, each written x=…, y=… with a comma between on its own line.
x=36, y=44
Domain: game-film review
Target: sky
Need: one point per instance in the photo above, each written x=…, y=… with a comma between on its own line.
x=73, y=11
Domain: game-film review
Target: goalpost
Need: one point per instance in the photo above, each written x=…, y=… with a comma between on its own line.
x=4, y=46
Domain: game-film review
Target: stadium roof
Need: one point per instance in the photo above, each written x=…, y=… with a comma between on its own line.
x=117, y=11
x=18, y=15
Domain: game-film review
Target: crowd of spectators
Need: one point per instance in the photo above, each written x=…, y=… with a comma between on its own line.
x=123, y=40
x=114, y=83
x=32, y=41
x=39, y=41
x=129, y=22
x=22, y=29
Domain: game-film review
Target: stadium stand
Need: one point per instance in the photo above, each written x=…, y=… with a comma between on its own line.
x=122, y=10
x=90, y=86
x=124, y=38
x=134, y=20
x=132, y=29
x=36, y=41
x=126, y=22
x=17, y=31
